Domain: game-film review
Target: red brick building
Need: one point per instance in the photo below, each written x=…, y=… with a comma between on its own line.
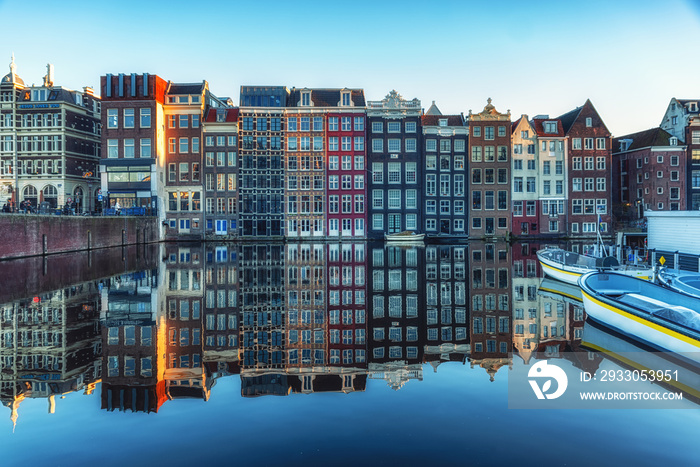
x=649, y=172
x=589, y=163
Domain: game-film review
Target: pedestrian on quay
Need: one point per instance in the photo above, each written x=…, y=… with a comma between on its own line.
x=5, y=208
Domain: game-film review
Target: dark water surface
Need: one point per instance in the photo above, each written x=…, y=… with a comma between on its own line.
x=290, y=354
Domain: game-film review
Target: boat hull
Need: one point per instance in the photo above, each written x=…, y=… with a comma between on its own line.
x=571, y=273
x=644, y=327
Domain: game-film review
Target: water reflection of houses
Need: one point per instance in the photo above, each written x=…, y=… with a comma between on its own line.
x=49, y=345
x=184, y=375
x=396, y=338
x=491, y=336
x=262, y=329
x=133, y=338
x=526, y=280
x=347, y=315
x=221, y=310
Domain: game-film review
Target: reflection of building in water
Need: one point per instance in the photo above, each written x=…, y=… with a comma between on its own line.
x=262, y=328
x=346, y=305
x=306, y=321
x=526, y=280
x=396, y=340
x=133, y=339
x=560, y=318
x=221, y=311
x=491, y=336
x=446, y=295
x=49, y=345
x=184, y=374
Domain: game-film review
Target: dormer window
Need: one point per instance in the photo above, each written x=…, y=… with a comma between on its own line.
x=673, y=141
x=221, y=115
x=345, y=99
x=693, y=106
x=442, y=122
x=306, y=98
x=589, y=122
x=551, y=127
x=39, y=95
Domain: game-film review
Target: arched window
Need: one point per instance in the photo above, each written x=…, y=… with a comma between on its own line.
x=50, y=195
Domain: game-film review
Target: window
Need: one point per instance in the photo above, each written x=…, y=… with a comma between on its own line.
x=128, y=147
x=112, y=118
x=394, y=145
x=145, y=118
x=576, y=143
x=377, y=127
x=393, y=127
x=589, y=122
x=394, y=170
x=145, y=150
x=112, y=148
x=588, y=143
x=184, y=145
x=488, y=133
x=377, y=145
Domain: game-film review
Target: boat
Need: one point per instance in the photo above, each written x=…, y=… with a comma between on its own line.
x=680, y=281
x=404, y=237
x=660, y=317
x=568, y=266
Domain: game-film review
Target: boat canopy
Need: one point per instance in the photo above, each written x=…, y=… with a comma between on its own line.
x=677, y=314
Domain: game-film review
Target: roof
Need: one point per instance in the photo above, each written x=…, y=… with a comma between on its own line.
x=326, y=97
x=569, y=118
x=538, y=125
x=186, y=88
x=685, y=102
x=231, y=115
x=644, y=139
x=433, y=110
x=434, y=120
x=515, y=124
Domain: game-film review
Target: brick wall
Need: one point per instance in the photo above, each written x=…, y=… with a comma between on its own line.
x=30, y=235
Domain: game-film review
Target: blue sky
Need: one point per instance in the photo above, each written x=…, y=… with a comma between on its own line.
x=545, y=57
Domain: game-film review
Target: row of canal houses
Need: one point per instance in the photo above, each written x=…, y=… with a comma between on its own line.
x=326, y=163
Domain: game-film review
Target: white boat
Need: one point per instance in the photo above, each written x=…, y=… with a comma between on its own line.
x=647, y=312
x=680, y=281
x=404, y=237
x=568, y=266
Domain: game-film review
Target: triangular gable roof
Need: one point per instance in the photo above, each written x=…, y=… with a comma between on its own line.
x=569, y=118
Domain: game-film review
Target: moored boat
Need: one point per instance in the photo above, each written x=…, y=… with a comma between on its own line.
x=680, y=281
x=404, y=237
x=645, y=311
x=568, y=266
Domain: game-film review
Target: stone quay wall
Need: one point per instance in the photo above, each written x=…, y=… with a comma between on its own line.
x=24, y=235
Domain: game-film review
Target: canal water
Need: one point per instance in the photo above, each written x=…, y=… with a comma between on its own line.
x=307, y=353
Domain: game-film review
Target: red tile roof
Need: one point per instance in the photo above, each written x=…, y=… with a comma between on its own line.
x=231, y=115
